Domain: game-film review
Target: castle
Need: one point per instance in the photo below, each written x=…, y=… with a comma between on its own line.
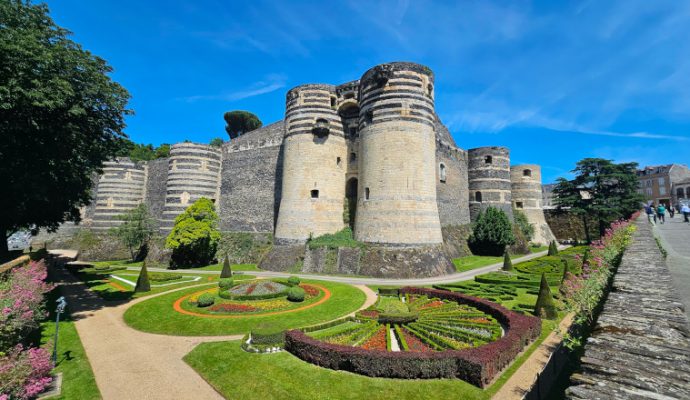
x=370, y=153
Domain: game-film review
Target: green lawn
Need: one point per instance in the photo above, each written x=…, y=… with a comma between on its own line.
x=240, y=375
x=234, y=267
x=469, y=263
x=158, y=316
x=78, y=381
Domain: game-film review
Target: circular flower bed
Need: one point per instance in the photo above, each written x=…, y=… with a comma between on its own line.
x=256, y=290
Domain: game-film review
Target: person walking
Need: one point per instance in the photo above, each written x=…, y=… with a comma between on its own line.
x=686, y=212
x=671, y=211
x=650, y=213
x=660, y=212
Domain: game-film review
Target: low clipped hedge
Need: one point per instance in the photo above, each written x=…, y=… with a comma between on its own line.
x=205, y=300
x=398, y=318
x=477, y=366
x=163, y=277
x=389, y=291
x=296, y=294
x=225, y=294
x=265, y=337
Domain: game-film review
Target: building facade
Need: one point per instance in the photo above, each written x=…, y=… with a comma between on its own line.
x=656, y=183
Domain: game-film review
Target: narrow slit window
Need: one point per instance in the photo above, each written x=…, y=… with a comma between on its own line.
x=442, y=172
x=315, y=194
x=366, y=193
x=338, y=161
x=478, y=197
x=353, y=157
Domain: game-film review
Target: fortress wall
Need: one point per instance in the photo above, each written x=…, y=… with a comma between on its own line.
x=452, y=196
x=489, y=180
x=527, y=197
x=251, y=180
x=156, y=182
x=193, y=172
x=120, y=189
x=314, y=165
x=397, y=167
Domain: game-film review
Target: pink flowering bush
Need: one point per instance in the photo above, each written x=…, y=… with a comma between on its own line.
x=24, y=373
x=22, y=293
x=584, y=292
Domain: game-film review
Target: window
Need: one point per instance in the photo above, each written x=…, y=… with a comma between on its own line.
x=527, y=172
x=518, y=204
x=442, y=172
x=662, y=182
x=488, y=160
x=315, y=194
x=333, y=101
x=679, y=193
x=366, y=193
x=478, y=197
x=649, y=192
x=662, y=190
x=353, y=157
x=338, y=161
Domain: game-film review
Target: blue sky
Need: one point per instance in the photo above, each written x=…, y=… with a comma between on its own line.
x=556, y=81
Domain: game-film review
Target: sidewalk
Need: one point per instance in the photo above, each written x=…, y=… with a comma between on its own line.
x=675, y=238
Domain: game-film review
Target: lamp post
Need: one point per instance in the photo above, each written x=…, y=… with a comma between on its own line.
x=61, y=304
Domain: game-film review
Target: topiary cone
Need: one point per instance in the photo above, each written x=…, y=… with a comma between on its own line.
x=143, y=284
x=553, y=248
x=565, y=275
x=507, y=263
x=545, y=308
x=226, y=272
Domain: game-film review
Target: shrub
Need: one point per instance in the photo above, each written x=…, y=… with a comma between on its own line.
x=163, y=277
x=136, y=229
x=507, y=263
x=553, y=248
x=521, y=244
x=143, y=284
x=293, y=281
x=491, y=233
x=195, y=236
x=24, y=373
x=343, y=238
x=206, y=300
x=226, y=272
x=225, y=283
x=523, y=224
x=267, y=335
x=295, y=294
x=545, y=307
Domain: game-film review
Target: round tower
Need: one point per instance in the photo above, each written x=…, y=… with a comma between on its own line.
x=120, y=189
x=527, y=197
x=397, y=174
x=193, y=172
x=314, y=165
x=489, y=180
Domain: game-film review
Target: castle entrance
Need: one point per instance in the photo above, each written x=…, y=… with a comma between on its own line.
x=351, y=202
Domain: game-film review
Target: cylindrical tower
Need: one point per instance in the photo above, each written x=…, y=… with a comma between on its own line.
x=397, y=174
x=314, y=165
x=489, y=180
x=527, y=197
x=120, y=189
x=193, y=172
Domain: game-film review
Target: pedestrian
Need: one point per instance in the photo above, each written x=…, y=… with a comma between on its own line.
x=660, y=212
x=686, y=212
x=650, y=213
x=671, y=211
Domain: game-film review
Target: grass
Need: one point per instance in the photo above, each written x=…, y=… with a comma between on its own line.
x=537, y=249
x=469, y=263
x=233, y=267
x=343, y=238
x=78, y=381
x=233, y=372
x=158, y=316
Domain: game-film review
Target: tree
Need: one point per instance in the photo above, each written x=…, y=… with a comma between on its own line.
x=521, y=221
x=553, y=249
x=226, y=272
x=142, y=152
x=61, y=117
x=136, y=229
x=601, y=190
x=545, y=308
x=491, y=233
x=216, y=142
x=240, y=122
x=143, y=284
x=565, y=270
x=162, y=151
x=194, y=238
x=507, y=263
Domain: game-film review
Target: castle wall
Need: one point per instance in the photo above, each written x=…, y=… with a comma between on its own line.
x=314, y=165
x=156, y=182
x=193, y=172
x=397, y=172
x=452, y=195
x=120, y=189
x=527, y=197
x=251, y=180
x=489, y=180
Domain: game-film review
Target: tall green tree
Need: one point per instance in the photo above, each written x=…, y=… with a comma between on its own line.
x=601, y=190
x=61, y=116
x=195, y=236
x=136, y=229
x=240, y=122
x=491, y=233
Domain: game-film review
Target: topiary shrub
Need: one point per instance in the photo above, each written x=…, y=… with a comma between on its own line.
x=205, y=300
x=507, y=263
x=194, y=238
x=293, y=281
x=226, y=272
x=295, y=294
x=545, y=308
x=553, y=248
x=225, y=283
x=491, y=233
x=143, y=284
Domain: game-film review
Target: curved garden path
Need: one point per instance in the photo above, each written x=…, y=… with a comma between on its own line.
x=129, y=364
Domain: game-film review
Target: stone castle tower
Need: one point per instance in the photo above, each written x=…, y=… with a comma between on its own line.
x=370, y=154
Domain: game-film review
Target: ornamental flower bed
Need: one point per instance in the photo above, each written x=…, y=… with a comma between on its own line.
x=378, y=341
x=413, y=343
x=310, y=291
x=258, y=289
x=231, y=308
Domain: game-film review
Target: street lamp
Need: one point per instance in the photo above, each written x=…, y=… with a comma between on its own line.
x=61, y=304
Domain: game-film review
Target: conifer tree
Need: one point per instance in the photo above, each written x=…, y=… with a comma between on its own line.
x=226, y=272
x=143, y=284
x=565, y=270
x=507, y=263
x=553, y=248
x=545, y=307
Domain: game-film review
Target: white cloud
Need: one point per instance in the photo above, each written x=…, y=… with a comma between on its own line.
x=270, y=84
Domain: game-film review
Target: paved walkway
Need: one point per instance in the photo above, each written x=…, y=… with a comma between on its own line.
x=675, y=238
x=129, y=364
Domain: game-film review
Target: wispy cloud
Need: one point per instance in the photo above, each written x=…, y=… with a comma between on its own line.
x=270, y=84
